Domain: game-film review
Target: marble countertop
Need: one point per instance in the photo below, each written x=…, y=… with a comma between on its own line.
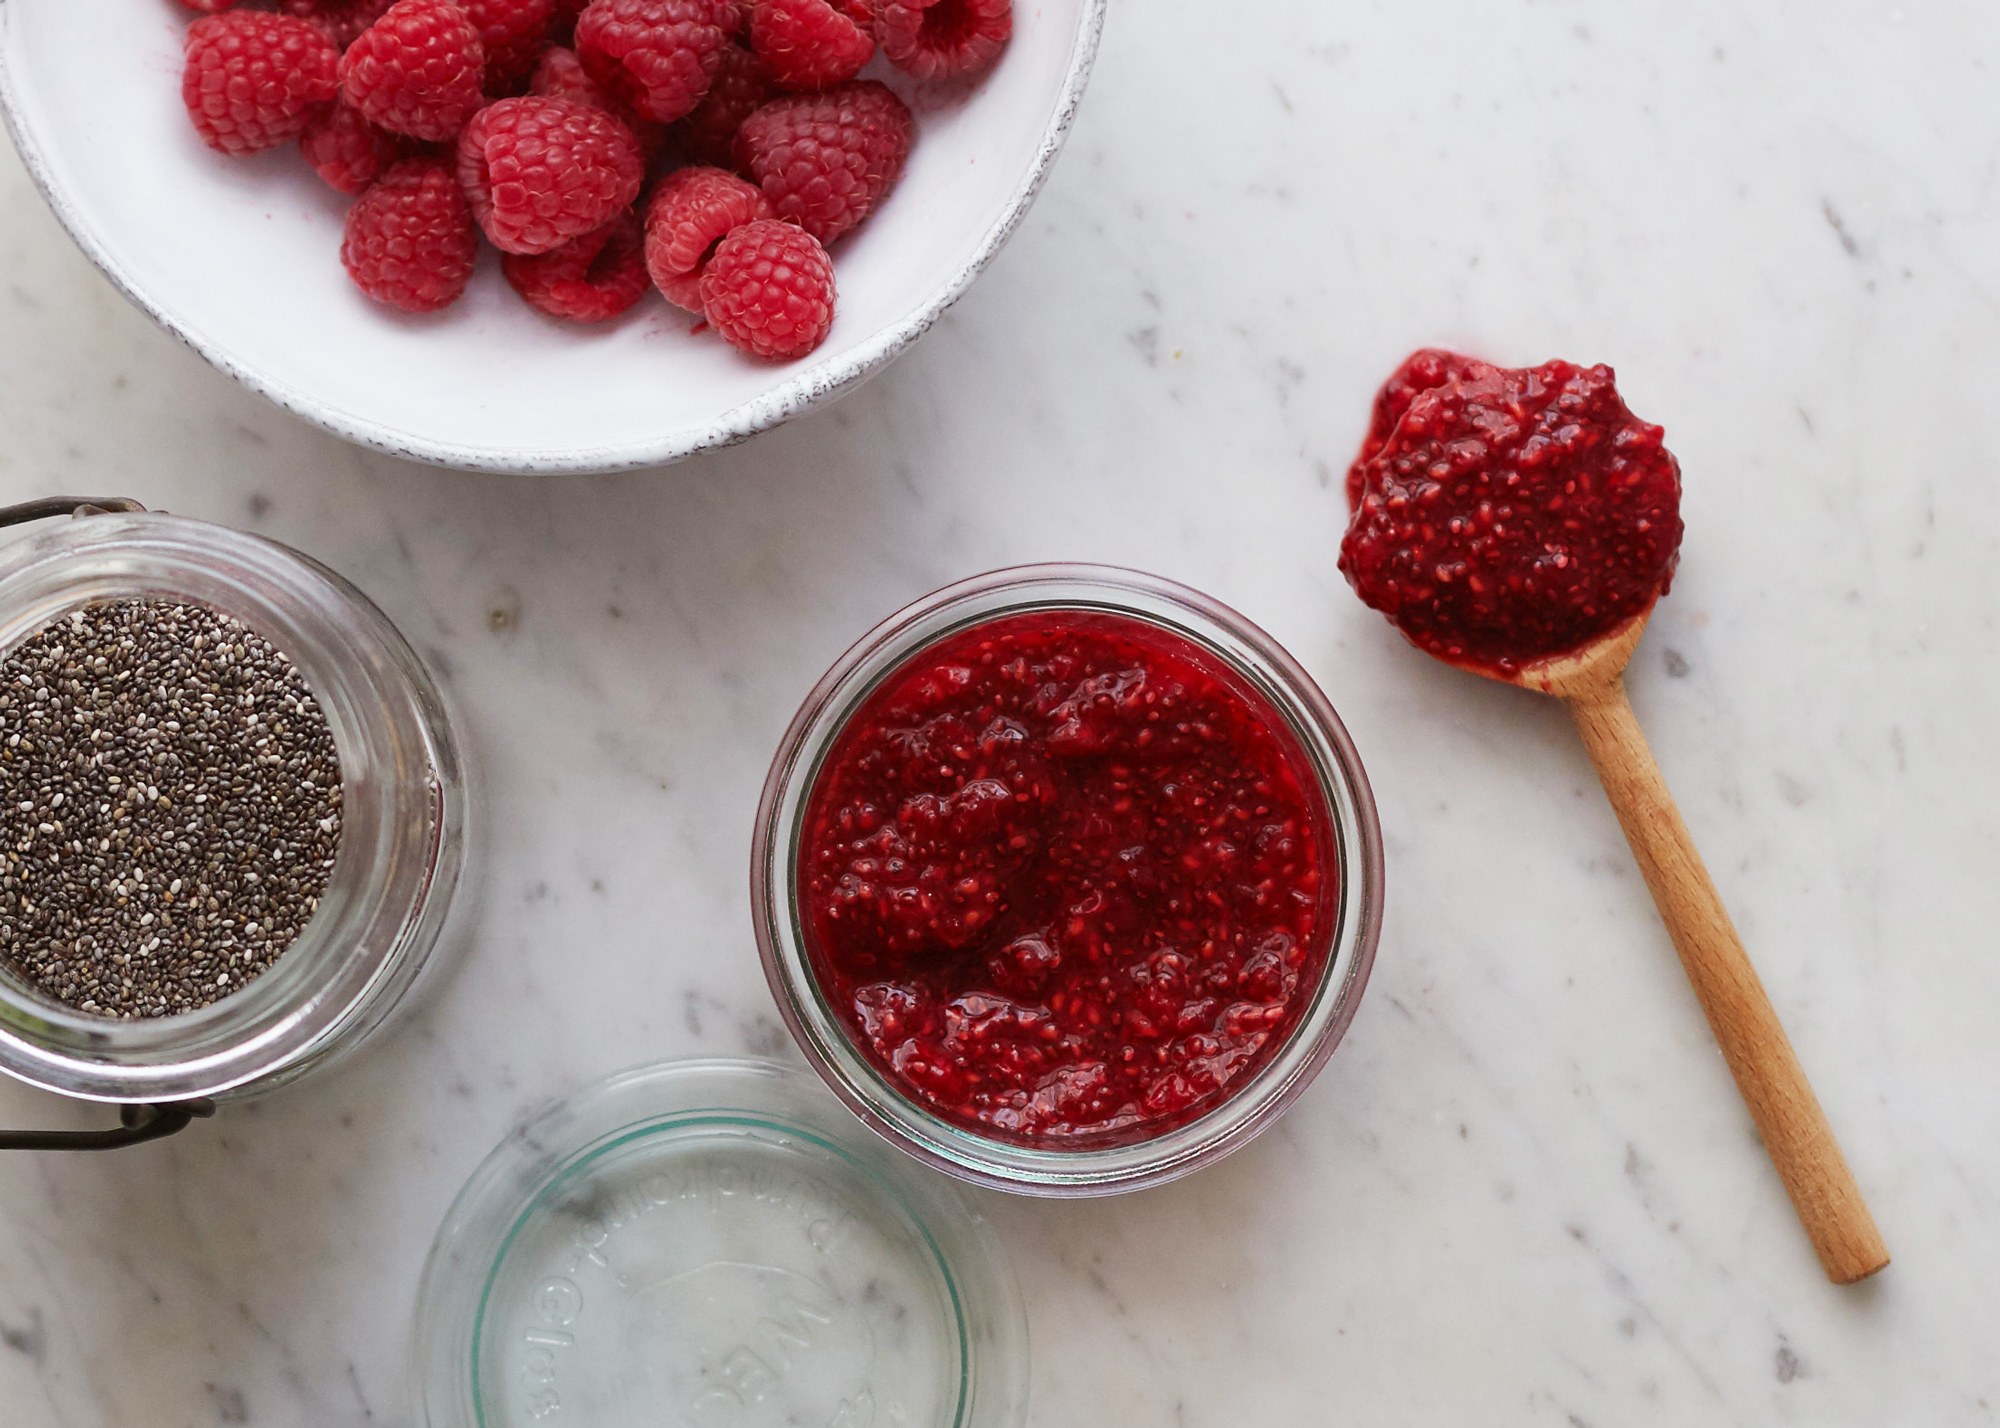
x=1524, y=1192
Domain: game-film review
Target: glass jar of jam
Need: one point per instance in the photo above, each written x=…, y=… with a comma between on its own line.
x=1067, y=880
x=402, y=844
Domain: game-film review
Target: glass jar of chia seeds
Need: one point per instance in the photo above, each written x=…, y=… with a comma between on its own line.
x=369, y=937
x=1067, y=880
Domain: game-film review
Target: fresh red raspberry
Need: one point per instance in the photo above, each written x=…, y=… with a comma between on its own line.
x=943, y=39
x=410, y=240
x=589, y=279
x=769, y=290
x=211, y=7
x=811, y=44
x=741, y=85
x=346, y=150
x=514, y=33
x=540, y=172
x=252, y=80
x=561, y=75
x=418, y=70
x=825, y=160
x=691, y=212
x=658, y=56
x=341, y=20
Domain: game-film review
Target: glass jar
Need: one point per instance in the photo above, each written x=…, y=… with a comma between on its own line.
x=403, y=820
x=1349, y=936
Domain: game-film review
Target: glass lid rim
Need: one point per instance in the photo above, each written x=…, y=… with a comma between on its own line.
x=577, y=1168
x=524, y=1175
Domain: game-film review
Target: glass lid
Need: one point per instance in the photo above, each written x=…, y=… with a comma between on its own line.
x=714, y=1244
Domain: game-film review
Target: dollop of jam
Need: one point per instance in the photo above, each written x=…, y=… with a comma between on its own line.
x=1506, y=515
x=1067, y=879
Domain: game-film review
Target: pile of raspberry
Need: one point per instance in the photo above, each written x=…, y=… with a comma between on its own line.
x=712, y=149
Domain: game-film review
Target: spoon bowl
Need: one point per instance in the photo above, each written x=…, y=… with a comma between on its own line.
x=1582, y=671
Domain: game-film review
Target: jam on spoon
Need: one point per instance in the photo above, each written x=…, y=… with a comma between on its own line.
x=1502, y=516
x=1521, y=523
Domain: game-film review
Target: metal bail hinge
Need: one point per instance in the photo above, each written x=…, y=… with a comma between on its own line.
x=50, y=507
x=136, y=1125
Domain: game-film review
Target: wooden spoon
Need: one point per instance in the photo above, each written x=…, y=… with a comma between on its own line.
x=1801, y=1144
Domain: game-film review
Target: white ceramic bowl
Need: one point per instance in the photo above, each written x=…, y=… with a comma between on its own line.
x=240, y=259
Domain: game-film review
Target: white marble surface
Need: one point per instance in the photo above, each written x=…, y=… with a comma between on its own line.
x=1524, y=1192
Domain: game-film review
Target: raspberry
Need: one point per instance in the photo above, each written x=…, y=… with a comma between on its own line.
x=561, y=75
x=658, y=56
x=769, y=290
x=540, y=172
x=252, y=80
x=418, y=70
x=825, y=160
x=809, y=44
x=346, y=150
x=943, y=39
x=341, y=20
x=691, y=212
x=212, y=7
x=410, y=240
x=590, y=279
x=741, y=85
x=513, y=33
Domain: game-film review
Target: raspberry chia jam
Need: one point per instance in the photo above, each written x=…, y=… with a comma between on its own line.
x=1069, y=879
x=1506, y=515
x=1064, y=876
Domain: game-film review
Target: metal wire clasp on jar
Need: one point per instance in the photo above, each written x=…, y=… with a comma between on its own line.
x=403, y=814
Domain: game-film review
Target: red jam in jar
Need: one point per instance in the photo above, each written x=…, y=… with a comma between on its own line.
x=1067, y=878
x=1506, y=515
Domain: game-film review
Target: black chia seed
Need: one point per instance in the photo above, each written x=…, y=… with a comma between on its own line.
x=170, y=806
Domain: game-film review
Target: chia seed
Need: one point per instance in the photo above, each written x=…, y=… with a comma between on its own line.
x=170, y=808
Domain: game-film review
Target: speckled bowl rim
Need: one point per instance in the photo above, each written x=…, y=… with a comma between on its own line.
x=793, y=396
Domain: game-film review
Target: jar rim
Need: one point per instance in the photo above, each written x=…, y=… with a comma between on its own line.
x=400, y=847
x=1245, y=1110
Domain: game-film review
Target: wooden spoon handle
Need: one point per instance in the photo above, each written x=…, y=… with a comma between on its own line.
x=1746, y=1027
